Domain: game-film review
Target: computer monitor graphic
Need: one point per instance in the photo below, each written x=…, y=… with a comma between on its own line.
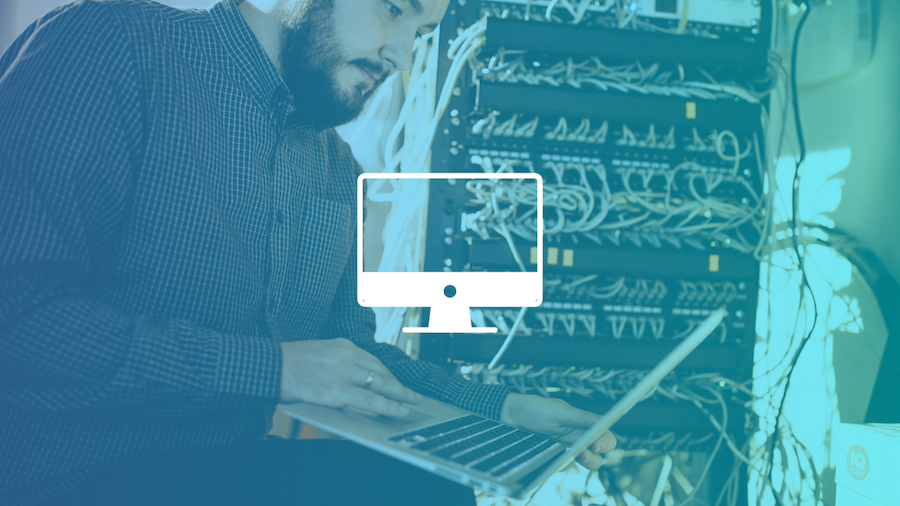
x=450, y=295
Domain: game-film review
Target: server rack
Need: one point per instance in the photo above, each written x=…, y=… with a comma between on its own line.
x=617, y=299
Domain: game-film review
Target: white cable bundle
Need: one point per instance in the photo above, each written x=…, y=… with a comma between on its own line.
x=404, y=228
x=580, y=208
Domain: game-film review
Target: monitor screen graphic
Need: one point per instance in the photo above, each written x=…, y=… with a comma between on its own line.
x=495, y=220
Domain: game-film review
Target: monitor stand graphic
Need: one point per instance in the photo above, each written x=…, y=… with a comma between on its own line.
x=450, y=317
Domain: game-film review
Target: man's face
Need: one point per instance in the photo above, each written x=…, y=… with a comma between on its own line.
x=335, y=53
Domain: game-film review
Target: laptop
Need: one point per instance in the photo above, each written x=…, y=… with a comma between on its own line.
x=476, y=451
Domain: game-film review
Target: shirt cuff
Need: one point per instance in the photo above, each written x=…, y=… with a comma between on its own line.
x=249, y=370
x=486, y=400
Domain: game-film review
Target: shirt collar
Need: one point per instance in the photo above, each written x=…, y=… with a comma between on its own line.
x=262, y=78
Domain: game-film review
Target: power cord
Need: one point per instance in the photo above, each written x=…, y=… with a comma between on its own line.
x=795, y=223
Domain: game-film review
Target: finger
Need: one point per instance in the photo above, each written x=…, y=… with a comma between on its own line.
x=590, y=460
x=370, y=401
x=384, y=381
x=370, y=362
x=606, y=443
x=389, y=387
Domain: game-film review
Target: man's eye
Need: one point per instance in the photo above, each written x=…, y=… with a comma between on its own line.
x=394, y=10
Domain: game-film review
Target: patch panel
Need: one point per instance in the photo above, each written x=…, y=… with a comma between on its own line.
x=736, y=20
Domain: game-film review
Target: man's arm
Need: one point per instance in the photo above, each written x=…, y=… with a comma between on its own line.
x=72, y=130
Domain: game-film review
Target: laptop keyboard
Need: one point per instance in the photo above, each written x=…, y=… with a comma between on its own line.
x=479, y=444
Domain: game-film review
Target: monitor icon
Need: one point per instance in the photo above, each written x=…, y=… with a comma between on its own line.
x=450, y=295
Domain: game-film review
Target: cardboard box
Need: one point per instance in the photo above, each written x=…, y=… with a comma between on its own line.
x=868, y=464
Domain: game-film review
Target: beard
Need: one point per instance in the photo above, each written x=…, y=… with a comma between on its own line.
x=310, y=59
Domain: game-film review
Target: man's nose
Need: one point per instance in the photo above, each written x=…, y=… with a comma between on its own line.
x=397, y=52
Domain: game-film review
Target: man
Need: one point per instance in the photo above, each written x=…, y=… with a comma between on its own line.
x=176, y=256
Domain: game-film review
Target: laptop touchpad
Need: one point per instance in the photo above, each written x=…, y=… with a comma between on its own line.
x=414, y=416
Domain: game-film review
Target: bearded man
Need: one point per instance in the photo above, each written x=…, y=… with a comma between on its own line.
x=177, y=256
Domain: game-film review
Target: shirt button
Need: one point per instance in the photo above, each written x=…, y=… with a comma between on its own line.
x=279, y=216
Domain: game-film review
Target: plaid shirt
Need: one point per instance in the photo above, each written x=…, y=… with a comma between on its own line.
x=162, y=229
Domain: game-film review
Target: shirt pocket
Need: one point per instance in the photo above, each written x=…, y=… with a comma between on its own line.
x=322, y=238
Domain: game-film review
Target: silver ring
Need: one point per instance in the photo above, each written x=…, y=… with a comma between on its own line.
x=370, y=379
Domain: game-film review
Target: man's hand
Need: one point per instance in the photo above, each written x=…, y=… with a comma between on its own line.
x=555, y=417
x=334, y=373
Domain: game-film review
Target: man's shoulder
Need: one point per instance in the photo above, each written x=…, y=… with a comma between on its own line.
x=140, y=9
x=150, y=16
x=142, y=18
x=111, y=33
x=85, y=9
